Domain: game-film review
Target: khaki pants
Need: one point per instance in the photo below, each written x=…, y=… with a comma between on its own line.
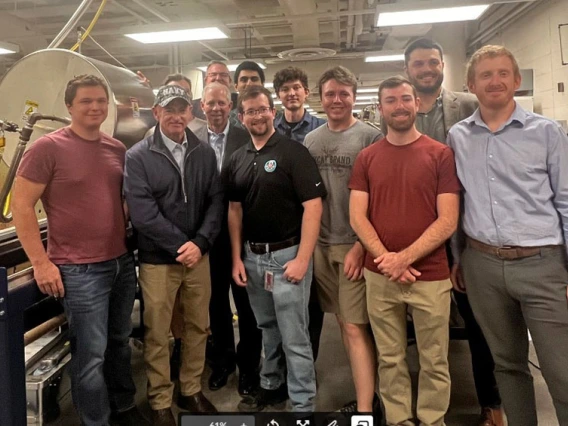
x=160, y=284
x=429, y=304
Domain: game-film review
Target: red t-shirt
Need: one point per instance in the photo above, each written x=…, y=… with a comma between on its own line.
x=83, y=196
x=403, y=183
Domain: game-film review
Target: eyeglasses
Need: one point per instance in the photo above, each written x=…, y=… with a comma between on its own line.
x=253, y=112
x=218, y=74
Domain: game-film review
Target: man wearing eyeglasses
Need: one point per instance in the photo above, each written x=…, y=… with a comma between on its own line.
x=291, y=87
x=217, y=71
x=275, y=203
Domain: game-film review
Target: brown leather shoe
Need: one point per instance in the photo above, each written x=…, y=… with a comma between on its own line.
x=491, y=417
x=163, y=417
x=196, y=403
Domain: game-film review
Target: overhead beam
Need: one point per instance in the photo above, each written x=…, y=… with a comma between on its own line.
x=152, y=10
x=117, y=4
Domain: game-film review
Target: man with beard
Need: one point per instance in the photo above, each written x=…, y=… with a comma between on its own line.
x=225, y=139
x=512, y=165
x=275, y=194
x=404, y=205
x=338, y=257
x=439, y=110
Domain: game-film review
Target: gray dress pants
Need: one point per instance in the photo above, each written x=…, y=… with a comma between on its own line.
x=509, y=296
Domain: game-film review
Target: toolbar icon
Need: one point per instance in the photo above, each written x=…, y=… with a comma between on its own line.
x=362, y=421
x=302, y=423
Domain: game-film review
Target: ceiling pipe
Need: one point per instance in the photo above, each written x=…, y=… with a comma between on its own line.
x=487, y=33
x=70, y=25
x=215, y=51
x=358, y=30
x=319, y=15
x=350, y=26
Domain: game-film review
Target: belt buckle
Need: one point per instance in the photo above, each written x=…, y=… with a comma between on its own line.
x=504, y=257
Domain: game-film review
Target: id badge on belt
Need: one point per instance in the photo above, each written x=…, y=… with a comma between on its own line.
x=269, y=280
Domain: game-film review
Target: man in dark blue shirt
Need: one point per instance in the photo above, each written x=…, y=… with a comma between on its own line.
x=291, y=87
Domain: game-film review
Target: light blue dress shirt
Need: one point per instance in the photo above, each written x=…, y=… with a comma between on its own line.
x=218, y=142
x=177, y=149
x=515, y=179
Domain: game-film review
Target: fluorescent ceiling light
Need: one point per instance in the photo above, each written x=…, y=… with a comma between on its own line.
x=306, y=106
x=277, y=102
x=232, y=66
x=385, y=57
x=363, y=103
x=368, y=90
x=431, y=16
x=193, y=34
x=356, y=110
x=7, y=48
x=269, y=85
x=366, y=97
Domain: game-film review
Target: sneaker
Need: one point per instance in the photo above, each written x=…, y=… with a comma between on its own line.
x=263, y=398
x=351, y=407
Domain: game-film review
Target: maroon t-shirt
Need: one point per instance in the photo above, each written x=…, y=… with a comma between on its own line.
x=83, y=196
x=403, y=183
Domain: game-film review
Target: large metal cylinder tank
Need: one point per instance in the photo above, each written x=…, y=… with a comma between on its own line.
x=37, y=83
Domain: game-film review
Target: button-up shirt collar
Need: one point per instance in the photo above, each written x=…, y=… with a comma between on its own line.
x=177, y=149
x=218, y=141
x=298, y=133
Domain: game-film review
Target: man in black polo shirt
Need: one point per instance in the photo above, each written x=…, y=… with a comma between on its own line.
x=275, y=193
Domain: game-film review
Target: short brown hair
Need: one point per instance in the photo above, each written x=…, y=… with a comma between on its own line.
x=342, y=75
x=177, y=77
x=393, y=82
x=83, y=80
x=253, y=92
x=289, y=74
x=490, y=51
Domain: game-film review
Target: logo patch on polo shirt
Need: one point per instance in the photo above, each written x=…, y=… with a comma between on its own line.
x=270, y=166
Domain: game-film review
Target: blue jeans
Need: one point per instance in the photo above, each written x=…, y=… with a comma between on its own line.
x=98, y=303
x=283, y=317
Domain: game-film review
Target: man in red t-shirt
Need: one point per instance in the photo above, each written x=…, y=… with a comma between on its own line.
x=77, y=173
x=404, y=205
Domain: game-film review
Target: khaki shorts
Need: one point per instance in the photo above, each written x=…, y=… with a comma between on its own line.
x=336, y=294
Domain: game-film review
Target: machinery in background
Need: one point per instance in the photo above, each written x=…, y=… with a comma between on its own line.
x=36, y=85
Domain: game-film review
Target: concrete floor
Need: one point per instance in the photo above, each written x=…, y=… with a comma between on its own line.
x=336, y=388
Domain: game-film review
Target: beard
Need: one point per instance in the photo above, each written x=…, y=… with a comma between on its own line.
x=431, y=88
x=255, y=131
x=401, y=126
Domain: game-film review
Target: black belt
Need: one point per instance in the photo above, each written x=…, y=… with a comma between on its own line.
x=263, y=248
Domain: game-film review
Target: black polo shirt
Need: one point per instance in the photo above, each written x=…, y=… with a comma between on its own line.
x=272, y=184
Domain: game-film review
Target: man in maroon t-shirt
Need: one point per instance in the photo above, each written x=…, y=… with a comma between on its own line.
x=77, y=173
x=404, y=205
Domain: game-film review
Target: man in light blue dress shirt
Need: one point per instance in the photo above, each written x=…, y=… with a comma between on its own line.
x=513, y=165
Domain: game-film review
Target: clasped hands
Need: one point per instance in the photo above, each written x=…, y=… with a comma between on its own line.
x=189, y=254
x=396, y=267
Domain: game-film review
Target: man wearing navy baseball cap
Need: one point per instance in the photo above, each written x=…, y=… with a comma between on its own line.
x=175, y=199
